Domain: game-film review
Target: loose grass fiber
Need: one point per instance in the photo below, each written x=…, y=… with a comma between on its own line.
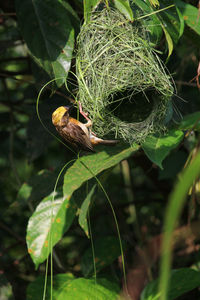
x=122, y=83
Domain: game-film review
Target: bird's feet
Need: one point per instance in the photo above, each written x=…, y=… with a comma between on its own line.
x=85, y=115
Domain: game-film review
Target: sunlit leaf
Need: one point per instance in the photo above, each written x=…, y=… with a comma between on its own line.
x=47, y=225
x=36, y=288
x=87, y=167
x=83, y=289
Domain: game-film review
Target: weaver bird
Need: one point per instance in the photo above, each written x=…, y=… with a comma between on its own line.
x=76, y=133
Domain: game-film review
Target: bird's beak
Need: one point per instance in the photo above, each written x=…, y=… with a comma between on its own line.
x=69, y=108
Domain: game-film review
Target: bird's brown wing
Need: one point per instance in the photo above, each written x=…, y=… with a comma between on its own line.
x=73, y=134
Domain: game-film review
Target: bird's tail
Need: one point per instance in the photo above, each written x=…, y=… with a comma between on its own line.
x=97, y=141
x=110, y=142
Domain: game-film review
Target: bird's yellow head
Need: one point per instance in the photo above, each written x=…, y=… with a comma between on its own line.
x=58, y=114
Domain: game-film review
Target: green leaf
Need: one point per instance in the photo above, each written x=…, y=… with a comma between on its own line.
x=84, y=210
x=49, y=222
x=190, y=15
x=89, y=166
x=191, y=121
x=83, y=289
x=124, y=7
x=166, y=19
x=181, y=281
x=35, y=289
x=169, y=41
x=152, y=22
x=157, y=148
x=106, y=250
x=172, y=21
x=173, y=211
x=182, y=23
x=89, y=6
x=49, y=34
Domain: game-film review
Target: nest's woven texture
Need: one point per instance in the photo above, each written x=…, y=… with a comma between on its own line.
x=116, y=67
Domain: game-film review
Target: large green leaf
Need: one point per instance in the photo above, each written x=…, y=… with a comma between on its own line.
x=82, y=289
x=36, y=288
x=66, y=287
x=55, y=218
x=106, y=250
x=124, y=7
x=157, y=148
x=47, y=29
x=84, y=210
x=181, y=282
x=190, y=15
x=173, y=211
x=89, y=166
x=47, y=225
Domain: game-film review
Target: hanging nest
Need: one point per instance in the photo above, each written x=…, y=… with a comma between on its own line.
x=122, y=83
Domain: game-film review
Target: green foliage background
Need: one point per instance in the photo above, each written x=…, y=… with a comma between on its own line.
x=149, y=186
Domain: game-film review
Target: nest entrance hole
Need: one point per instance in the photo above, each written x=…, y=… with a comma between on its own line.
x=131, y=108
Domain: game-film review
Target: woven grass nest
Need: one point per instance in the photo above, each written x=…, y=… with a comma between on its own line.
x=121, y=82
